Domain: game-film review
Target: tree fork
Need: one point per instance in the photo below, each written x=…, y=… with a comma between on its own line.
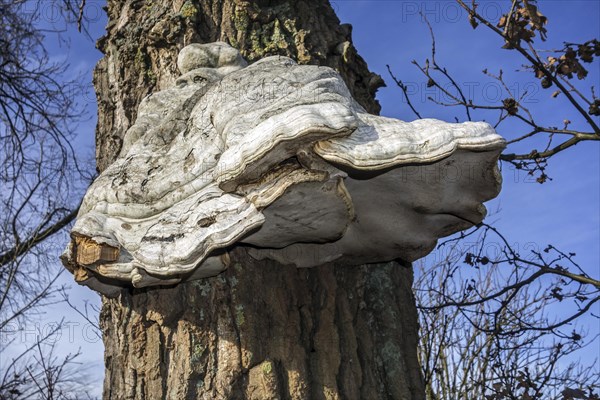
x=260, y=330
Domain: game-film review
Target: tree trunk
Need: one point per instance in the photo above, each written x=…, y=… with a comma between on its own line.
x=260, y=330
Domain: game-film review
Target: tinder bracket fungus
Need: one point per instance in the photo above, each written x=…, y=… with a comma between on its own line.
x=279, y=158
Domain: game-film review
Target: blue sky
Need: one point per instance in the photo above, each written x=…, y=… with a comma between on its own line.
x=564, y=212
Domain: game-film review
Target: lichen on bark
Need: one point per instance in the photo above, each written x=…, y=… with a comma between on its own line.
x=144, y=37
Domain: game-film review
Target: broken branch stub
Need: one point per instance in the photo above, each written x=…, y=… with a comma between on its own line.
x=279, y=158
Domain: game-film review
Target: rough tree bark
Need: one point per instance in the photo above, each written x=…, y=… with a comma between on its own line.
x=259, y=330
